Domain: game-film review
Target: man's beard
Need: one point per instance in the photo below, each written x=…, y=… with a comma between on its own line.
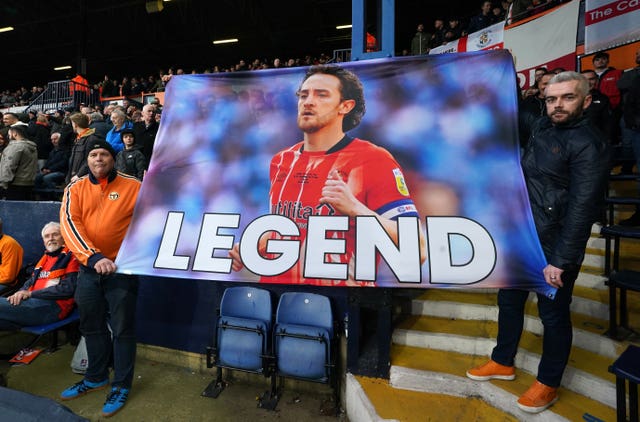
x=570, y=117
x=52, y=247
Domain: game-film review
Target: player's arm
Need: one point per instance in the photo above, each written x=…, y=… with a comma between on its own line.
x=338, y=194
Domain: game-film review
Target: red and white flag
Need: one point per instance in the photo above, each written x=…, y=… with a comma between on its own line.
x=549, y=41
x=610, y=23
x=486, y=39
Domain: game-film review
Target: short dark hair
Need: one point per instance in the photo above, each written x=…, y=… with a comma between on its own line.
x=350, y=89
x=21, y=130
x=601, y=55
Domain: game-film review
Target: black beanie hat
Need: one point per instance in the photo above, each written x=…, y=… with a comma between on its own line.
x=100, y=143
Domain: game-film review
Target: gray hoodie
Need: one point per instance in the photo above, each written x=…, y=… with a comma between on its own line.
x=19, y=164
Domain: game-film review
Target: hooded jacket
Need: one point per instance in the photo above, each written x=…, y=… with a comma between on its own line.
x=19, y=163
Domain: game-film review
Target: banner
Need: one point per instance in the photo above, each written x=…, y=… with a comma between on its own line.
x=549, y=41
x=610, y=23
x=425, y=191
x=486, y=39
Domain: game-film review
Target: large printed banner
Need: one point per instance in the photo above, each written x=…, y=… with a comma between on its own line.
x=549, y=41
x=610, y=23
x=433, y=165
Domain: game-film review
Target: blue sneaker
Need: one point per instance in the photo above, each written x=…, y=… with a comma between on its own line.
x=115, y=401
x=81, y=388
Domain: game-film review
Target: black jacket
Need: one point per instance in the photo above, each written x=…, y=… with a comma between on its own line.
x=58, y=161
x=146, y=137
x=566, y=170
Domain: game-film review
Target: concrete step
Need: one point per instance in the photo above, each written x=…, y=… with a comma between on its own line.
x=376, y=400
x=586, y=373
x=430, y=371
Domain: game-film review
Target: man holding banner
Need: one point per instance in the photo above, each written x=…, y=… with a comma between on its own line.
x=565, y=165
x=332, y=174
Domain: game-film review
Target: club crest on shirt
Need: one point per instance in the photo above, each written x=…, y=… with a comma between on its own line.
x=114, y=196
x=400, y=183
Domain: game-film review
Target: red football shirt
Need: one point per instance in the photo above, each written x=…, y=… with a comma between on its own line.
x=297, y=178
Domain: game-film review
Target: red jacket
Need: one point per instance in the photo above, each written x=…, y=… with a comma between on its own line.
x=607, y=84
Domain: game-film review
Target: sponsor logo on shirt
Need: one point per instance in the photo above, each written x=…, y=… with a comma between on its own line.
x=400, y=183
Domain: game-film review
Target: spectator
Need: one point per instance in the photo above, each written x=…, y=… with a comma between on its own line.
x=98, y=124
x=47, y=296
x=79, y=90
x=420, y=41
x=40, y=132
x=120, y=122
x=533, y=106
x=146, y=130
x=481, y=20
x=632, y=125
x=130, y=160
x=624, y=85
x=599, y=111
x=18, y=165
x=136, y=88
x=607, y=80
x=106, y=88
x=517, y=10
x=11, y=119
x=4, y=138
x=125, y=87
x=106, y=299
x=454, y=28
x=11, y=253
x=78, y=159
x=565, y=167
x=437, y=37
x=55, y=167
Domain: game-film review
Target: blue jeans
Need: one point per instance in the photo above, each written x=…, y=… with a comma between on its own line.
x=50, y=180
x=108, y=300
x=28, y=312
x=556, y=319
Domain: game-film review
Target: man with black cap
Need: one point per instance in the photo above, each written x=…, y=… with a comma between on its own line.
x=95, y=215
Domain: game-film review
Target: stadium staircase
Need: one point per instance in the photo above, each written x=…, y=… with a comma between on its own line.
x=447, y=332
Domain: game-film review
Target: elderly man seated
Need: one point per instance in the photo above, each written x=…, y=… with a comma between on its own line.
x=47, y=295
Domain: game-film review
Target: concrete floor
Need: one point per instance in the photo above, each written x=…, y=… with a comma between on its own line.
x=164, y=392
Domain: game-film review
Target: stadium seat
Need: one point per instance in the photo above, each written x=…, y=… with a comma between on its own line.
x=619, y=279
x=303, y=337
x=242, y=334
x=626, y=369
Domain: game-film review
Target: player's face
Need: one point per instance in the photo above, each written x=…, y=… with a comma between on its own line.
x=52, y=239
x=564, y=103
x=319, y=103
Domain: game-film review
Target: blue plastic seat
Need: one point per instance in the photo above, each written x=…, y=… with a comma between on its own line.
x=303, y=336
x=243, y=332
x=243, y=328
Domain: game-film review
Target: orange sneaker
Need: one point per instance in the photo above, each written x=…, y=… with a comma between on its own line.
x=492, y=371
x=538, y=398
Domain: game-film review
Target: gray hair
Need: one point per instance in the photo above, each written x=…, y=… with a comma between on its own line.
x=96, y=117
x=50, y=224
x=568, y=76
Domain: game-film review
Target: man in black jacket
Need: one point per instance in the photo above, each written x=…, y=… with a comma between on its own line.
x=146, y=130
x=565, y=165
